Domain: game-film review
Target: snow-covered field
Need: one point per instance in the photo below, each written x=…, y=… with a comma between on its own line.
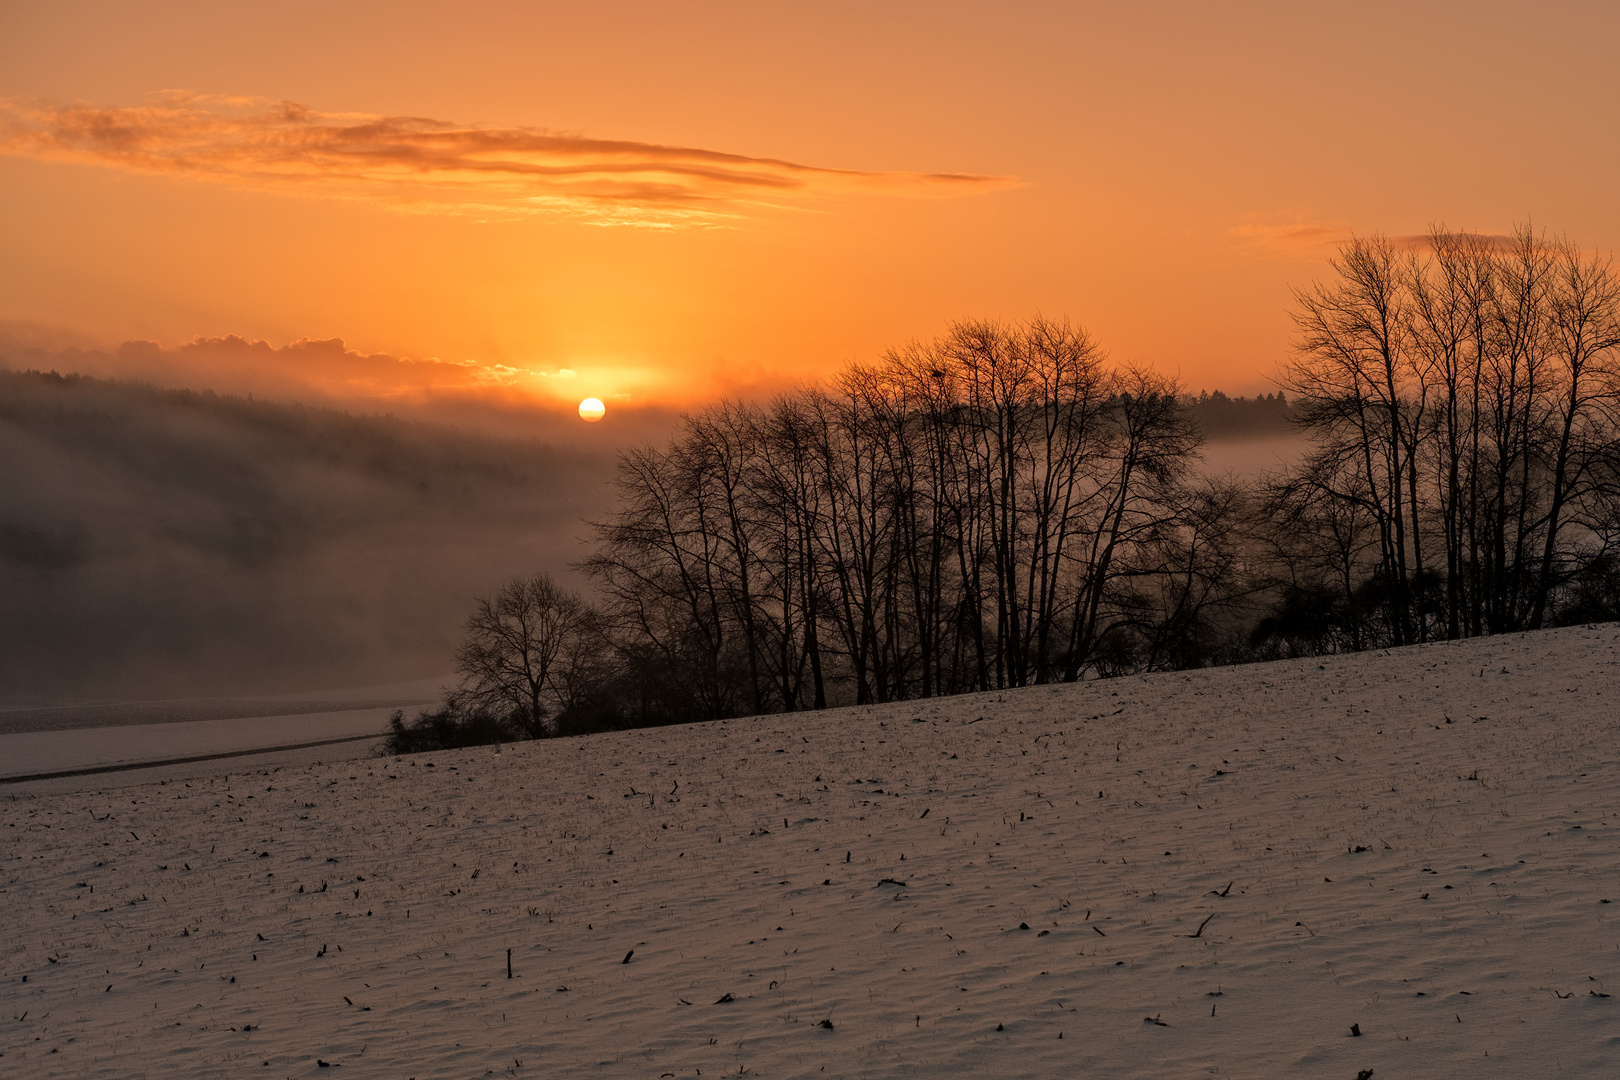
x=32, y=753
x=1224, y=873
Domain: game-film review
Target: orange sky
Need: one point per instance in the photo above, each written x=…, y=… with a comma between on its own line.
x=654, y=203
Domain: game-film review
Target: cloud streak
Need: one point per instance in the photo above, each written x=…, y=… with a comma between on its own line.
x=1423, y=243
x=423, y=164
x=1293, y=239
x=1301, y=238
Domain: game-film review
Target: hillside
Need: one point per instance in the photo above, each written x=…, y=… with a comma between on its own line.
x=162, y=543
x=1227, y=872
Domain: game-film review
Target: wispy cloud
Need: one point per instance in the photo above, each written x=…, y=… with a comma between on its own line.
x=1424, y=242
x=1300, y=237
x=418, y=163
x=1293, y=238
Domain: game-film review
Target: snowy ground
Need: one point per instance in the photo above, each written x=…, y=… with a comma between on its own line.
x=1212, y=874
x=123, y=747
x=50, y=749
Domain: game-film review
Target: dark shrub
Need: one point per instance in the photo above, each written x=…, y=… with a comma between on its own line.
x=449, y=727
x=1592, y=594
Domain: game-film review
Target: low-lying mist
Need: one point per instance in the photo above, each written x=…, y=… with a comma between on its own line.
x=158, y=543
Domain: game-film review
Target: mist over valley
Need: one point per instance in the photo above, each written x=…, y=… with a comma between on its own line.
x=164, y=543
x=181, y=542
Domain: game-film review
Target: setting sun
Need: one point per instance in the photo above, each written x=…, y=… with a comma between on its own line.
x=591, y=410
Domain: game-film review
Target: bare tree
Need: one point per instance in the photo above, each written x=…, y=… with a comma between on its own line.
x=518, y=645
x=1584, y=333
x=1355, y=381
x=968, y=513
x=1468, y=398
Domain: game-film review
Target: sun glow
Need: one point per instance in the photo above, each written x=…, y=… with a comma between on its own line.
x=591, y=410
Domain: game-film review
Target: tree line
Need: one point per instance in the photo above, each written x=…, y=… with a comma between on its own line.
x=1002, y=506
x=1462, y=413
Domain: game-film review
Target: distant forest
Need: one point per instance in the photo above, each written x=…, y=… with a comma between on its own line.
x=1002, y=507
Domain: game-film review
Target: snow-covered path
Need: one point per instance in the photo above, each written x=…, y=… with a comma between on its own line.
x=1215, y=873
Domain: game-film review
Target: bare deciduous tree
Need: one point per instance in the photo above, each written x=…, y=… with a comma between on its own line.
x=1463, y=402
x=523, y=647
x=969, y=513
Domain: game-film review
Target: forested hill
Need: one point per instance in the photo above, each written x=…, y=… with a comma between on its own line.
x=1222, y=417
x=159, y=542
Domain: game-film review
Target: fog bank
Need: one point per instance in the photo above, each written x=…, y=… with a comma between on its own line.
x=158, y=543
x=164, y=542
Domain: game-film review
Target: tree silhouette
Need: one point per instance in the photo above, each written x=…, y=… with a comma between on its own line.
x=519, y=645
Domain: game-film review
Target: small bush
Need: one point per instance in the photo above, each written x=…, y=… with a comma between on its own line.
x=448, y=728
x=592, y=716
